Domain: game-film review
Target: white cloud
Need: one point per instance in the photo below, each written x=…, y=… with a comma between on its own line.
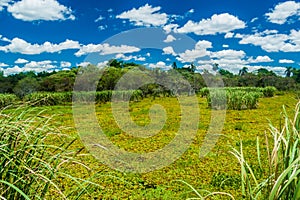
x=225, y=45
x=271, y=41
x=4, y=3
x=260, y=59
x=229, y=54
x=283, y=11
x=199, y=51
x=130, y=57
x=286, y=61
x=191, y=11
x=102, y=27
x=169, y=50
x=170, y=38
x=4, y=39
x=3, y=64
x=238, y=35
x=222, y=23
x=254, y=19
x=65, y=64
x=229, y=35
x=12, y=70
x=105, y=49
x=148, y=54
x=18, y=45
x=21, y=61
x=160, y=65
x=100, y=18
x=32, y=10
x=34, y=66
x=83, y=64
x=145, y=16
x=170, y=27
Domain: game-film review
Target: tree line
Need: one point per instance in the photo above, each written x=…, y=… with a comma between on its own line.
x=27, y=82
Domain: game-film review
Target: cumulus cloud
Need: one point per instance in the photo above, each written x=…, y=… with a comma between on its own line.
x=282, y=11
x=170, y=27
x=65, y=64
x=130, y=57
x=271, y=41
x=225, y=45
x=21, y=61
x=18, y=45
x=260, y=59
x=169, y=50
x=229, y=54
x=170, y=38
x=12, y=70
x=145, y=16
x=286, y=61
x=229, y=35
x=35, y=66
x=33, y=10
x=3, y=64
x=222, y=23
x=105, y=49
x=160, y=65
x=191, y=11
x=4, y=3
x=83, y=64
x=199, y=51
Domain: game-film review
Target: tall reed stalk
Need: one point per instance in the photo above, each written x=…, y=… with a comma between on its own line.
x=282, y=173
x=29, y=161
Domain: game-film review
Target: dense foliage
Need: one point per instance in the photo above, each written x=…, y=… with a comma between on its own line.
x=62, y=81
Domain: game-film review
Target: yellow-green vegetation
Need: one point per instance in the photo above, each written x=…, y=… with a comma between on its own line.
x=235, y=98
x=7, y=99
x=218, y=172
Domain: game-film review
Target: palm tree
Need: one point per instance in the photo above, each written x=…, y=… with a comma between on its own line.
x=288, y=71
x=215, y=67
x=243, y=71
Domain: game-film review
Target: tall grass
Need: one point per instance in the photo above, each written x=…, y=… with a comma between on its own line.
x=62, y=98
x=7, y=99
x=29, y=161
x=281, y=176
x=232, y=99
x=268, y=91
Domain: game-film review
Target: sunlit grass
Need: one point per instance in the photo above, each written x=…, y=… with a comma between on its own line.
x=210, y=173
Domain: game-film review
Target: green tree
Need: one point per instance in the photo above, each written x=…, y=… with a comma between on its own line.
x=215, y=67
x=174, y=65
x=243, y=71
x=288, y=71
x=26, y=86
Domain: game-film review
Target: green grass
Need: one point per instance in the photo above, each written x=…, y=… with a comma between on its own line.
x=33, y=155
x=218, y=172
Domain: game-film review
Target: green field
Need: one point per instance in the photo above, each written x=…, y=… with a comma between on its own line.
x=219, y=171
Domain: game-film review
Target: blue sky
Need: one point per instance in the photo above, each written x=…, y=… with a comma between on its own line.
x=47, y=35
